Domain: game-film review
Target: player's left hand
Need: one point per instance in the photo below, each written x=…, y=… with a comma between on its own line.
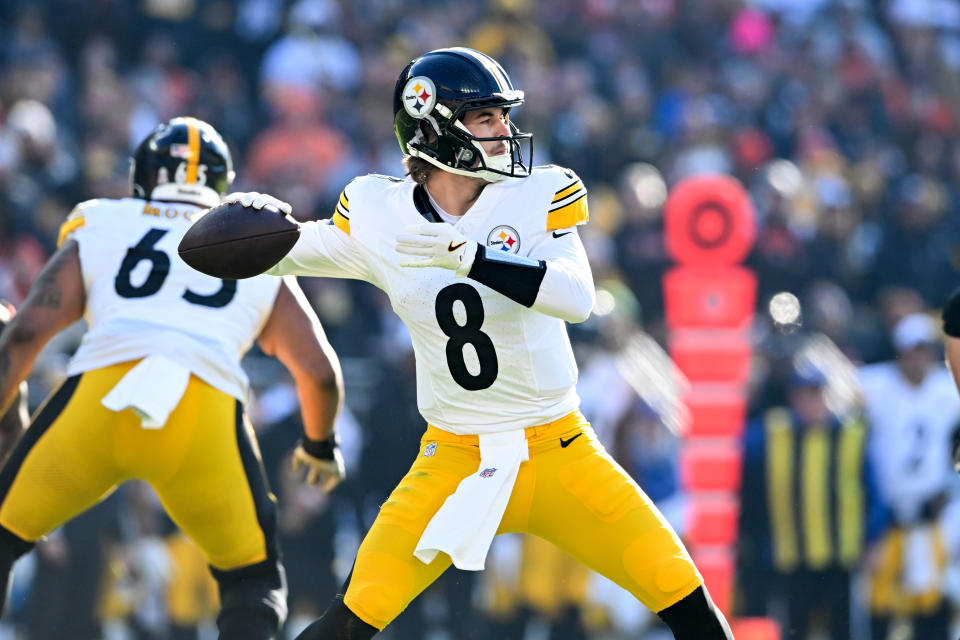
x=437, y=244
x=258, y=201
x=323, y=461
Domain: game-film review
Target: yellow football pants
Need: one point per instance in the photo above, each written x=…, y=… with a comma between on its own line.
x=204, y=465
x=575, y=496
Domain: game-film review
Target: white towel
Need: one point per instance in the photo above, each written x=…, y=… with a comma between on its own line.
x=466, y=523
x=152, y=389
x=920, y=571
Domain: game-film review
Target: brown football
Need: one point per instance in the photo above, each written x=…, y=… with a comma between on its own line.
x=231, y=241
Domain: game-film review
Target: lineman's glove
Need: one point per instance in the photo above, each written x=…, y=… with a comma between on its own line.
x=437, y=244
x=323, y=460
x=258, y=201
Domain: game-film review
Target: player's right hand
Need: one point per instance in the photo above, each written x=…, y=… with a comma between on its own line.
x=323, y=461
x=258, y=201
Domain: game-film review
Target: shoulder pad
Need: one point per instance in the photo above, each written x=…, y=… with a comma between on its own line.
x=568, y=204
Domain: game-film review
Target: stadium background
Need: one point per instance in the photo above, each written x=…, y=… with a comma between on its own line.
x=838, y=116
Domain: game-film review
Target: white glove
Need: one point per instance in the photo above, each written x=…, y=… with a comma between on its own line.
x=328, y=471
x=437, y=244
x=258, y=201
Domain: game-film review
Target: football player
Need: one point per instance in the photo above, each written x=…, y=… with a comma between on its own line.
x=479, y=253
x=155, y=390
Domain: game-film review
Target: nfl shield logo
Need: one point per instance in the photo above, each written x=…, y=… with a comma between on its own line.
x=488, y=473
x=429, y=450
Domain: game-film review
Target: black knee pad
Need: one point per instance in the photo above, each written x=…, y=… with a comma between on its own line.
x=338, y=623
x=253, y=601
x=695, y=617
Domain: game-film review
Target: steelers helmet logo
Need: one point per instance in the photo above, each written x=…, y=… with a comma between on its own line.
x=504, y=238
x=419, y=96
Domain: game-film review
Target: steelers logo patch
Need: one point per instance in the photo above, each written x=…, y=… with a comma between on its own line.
x=419, y=96
x=504, y=238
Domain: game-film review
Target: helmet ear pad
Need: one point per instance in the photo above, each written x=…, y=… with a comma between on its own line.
x=429, y=132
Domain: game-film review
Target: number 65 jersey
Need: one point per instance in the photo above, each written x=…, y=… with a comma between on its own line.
x=484, y=362
x=142, y=299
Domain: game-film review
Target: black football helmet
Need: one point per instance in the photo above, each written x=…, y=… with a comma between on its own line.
x=183, y=160
x=432, y=94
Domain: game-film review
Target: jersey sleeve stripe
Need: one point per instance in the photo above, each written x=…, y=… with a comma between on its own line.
x=341, y=222
x=69, y=227
x=569, y=215
x=567, y=190
x=344, y=201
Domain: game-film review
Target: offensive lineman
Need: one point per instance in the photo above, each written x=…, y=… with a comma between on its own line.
x=155, y=390
x=500, y=267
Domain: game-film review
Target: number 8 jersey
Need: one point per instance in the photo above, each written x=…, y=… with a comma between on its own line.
x=484, y=362
x=142, y=299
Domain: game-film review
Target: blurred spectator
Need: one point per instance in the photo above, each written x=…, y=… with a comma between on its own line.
x=809, y=507
x=912, y=406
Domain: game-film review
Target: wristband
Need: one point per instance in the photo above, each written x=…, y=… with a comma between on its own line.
x=320, y=449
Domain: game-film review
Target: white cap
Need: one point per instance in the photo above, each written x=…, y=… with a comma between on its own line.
x=914, y=330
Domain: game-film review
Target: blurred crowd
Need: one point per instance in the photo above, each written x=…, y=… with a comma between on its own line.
x=839, y=116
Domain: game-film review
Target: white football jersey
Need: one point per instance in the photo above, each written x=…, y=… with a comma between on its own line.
x=142, y=299
x=484, y=362
x=910, y=429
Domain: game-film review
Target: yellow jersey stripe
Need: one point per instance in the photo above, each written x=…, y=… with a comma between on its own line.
x=780, y=489
x=344, y=201
x=815, y=461
x=341, y=222
x=69, y=227
x=193, y=141
x=850, y=492
x=566, y=191
x=568, y=215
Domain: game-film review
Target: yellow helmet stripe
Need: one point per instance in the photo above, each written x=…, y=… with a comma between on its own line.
x=193, y=141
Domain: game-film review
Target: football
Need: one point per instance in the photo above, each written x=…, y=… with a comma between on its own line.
x=231, y=241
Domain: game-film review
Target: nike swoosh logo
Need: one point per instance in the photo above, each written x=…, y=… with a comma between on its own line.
x=453, y=247
x=560, y=235
x=565, y=443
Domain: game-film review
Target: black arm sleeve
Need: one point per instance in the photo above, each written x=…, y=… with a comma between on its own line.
x=951, y=315
x=516, y=277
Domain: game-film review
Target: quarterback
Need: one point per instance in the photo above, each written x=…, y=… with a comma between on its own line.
x=479, y=254
x=155, y=390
